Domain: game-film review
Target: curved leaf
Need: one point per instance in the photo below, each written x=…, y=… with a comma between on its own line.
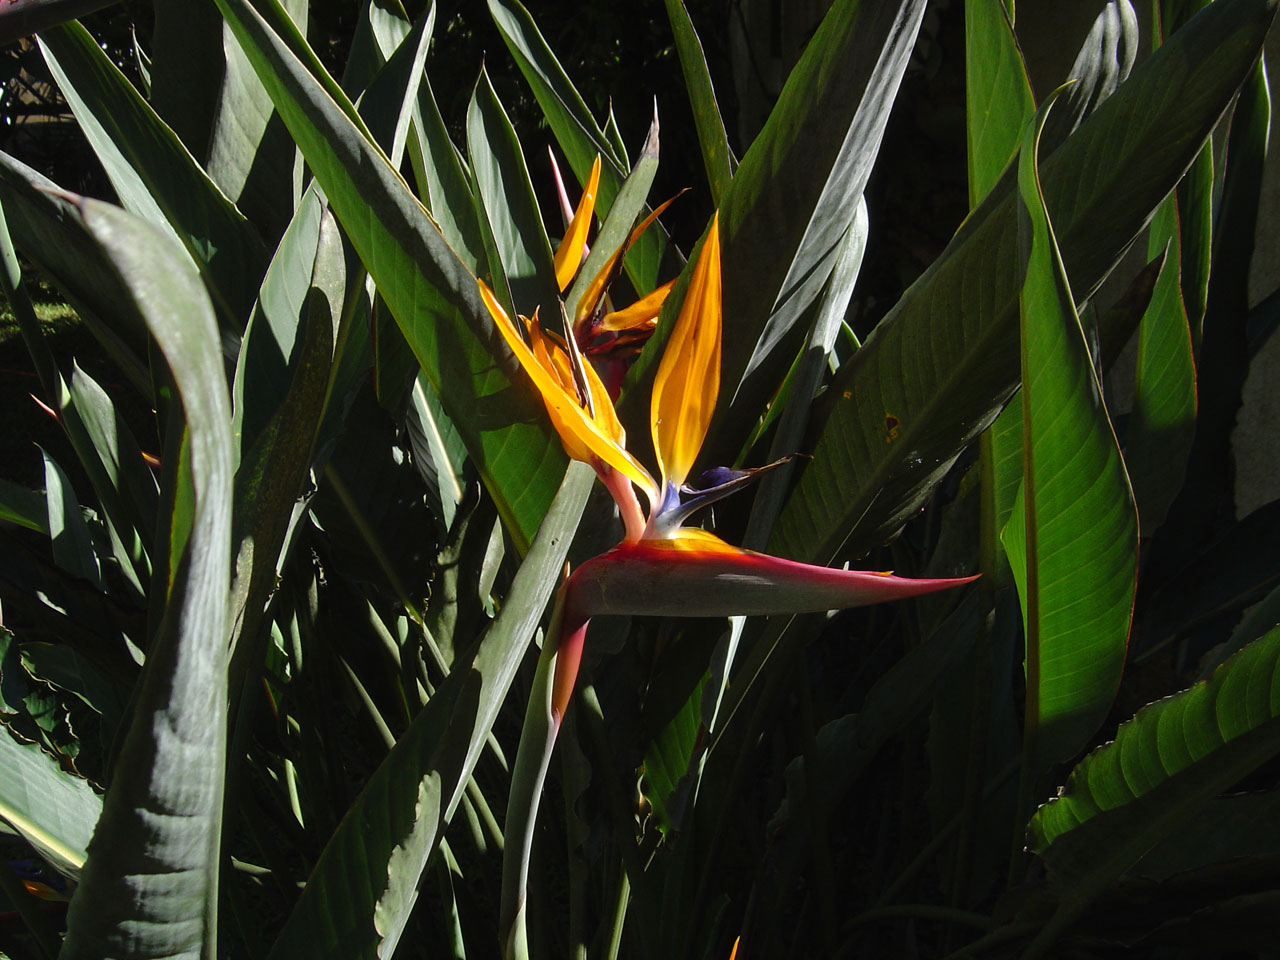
x=1164, y=765
x=45, y=227
x=506, y=201
x=369, y=872
x=152, y=173
x=52, y=809
x=1073, y=547
x=945, y=359
x=431, y=292
x=577, y=132
x=149, y=888
x=795, y=195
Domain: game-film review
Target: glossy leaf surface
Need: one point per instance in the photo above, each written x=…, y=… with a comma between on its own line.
x=1073, y=545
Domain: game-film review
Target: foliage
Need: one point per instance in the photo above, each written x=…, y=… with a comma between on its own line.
x=272, y=596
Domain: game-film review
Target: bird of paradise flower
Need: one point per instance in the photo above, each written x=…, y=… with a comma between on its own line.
x=661, y=566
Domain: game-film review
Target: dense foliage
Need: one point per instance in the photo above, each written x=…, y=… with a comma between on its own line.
x=271, y=613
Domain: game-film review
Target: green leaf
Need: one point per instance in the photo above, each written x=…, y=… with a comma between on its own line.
x=438, y=452
x=1163, y=422
x=24, y=507
x=505, y=200
x=667, y=763
x=443, y=185
x=1164, y=765
x=804, y=379
x=44, y=226
x=53, y=810
x=998, y=98
x=102, y=442
x=282, y=377
x=149, y=888
x=793, y=198
x=998, y=103
x=251, y=156
x=152, y=173
x=368, y=875
x=944, y=360
x=577, y=132
x=123, y=482
x=431, y=292
x=713, y=140
x=73, y=548
x=1073, y=547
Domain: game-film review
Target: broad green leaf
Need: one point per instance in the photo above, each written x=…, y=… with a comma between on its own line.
x=368, y=875
x=382, y=27
x=1163, y=421
x=24, y=507
x=122, y=481
x=286, y=358
x=794, y=196
x=577, y=132
x=998, y=103
x=716, y=155
x=1164, y=765
x=152, y=173
x=53, y=810
x=998, y=98
x=1073, y=547
x=47, y=231
x=505, y=199
x=1195, y=191
x=387, y=105
x=73, y=548
x=804, y=379
x=106, y=450
x=431, y=292
x=437, y=450
x=187, y=70
x=250, y=155
x=1223, y=357
x=945, y=359
x=667, y=762
x=443, y=185
x=149, y=888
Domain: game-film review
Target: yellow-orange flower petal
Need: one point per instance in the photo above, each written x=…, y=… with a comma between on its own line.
x=585, y=437
x=569, y=254
x=595, y=290
x=688, y=378
x=640, y=315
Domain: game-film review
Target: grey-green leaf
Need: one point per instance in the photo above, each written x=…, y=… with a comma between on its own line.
x=369, y=872
x=149, y=888
x=945, y=359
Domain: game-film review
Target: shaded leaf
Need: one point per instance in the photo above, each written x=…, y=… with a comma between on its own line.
x=149, y=888
x=53, y=810
x=153, y=175
x=431, y=292
x=1165, y=764
x=945, y=380
x=369, y=872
